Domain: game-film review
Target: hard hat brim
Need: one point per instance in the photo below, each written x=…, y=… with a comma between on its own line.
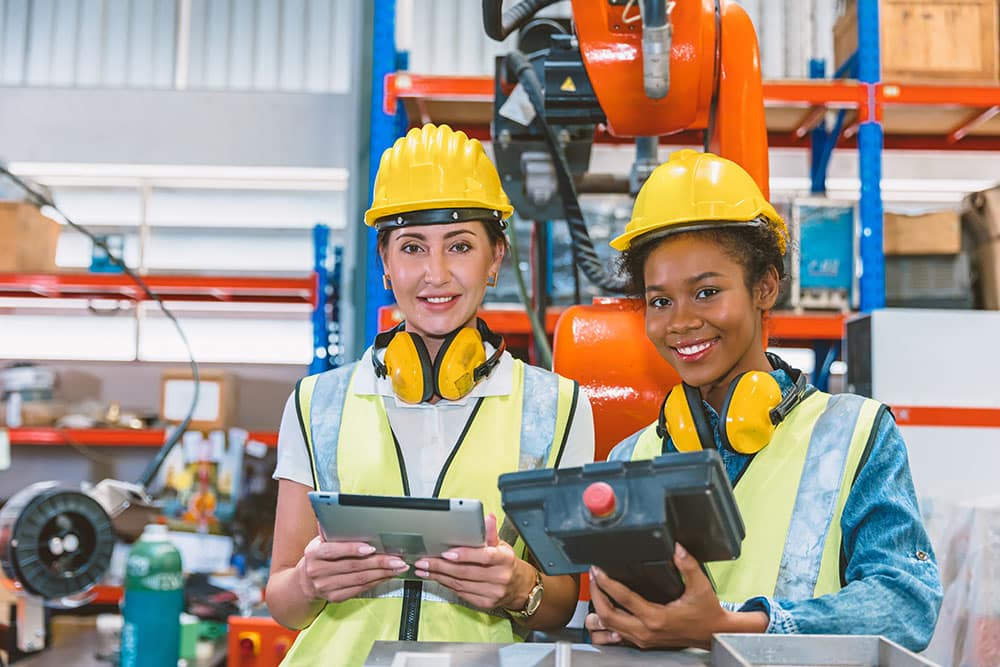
x=636, y=238
x=377, y=213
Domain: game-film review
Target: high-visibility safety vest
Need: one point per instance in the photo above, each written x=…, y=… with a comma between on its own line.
x=352, y=450
x=791, y=497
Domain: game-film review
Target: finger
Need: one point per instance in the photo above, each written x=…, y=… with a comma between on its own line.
x=695, y=581
x=341, y=594
x=492, y=536
x=593, y=623
x=460, y=571
x=484, y=556
x=321, y=568
x=610, y=615
x=338, y=550
x=605, y=637
x=634, y=603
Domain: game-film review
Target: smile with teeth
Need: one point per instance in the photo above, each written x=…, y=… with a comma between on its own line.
x=688, y=350
x=439, y=299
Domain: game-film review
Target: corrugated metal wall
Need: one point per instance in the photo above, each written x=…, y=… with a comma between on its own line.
x=299, y=45
x=273, y=45
x=446, y=36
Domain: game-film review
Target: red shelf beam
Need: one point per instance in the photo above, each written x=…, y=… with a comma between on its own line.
x=910, y=415
x=168, y=287
x=932, y=95
x=107, y=437
x=781, y=326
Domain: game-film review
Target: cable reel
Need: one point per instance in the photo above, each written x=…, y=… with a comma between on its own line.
x=55, y=542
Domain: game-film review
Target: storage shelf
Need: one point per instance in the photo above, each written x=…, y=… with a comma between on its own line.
x=915, y=116
x=251, y=289
x=107, y=437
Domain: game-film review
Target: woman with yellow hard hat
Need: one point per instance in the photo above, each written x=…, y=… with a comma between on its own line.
x=436, y=407
x=834, y=540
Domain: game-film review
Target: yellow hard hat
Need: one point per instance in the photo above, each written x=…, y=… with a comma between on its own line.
x=695, y=190
x=440, y=172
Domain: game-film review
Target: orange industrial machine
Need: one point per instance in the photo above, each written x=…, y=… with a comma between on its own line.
x=713, y=81
x=604, y=347
x=638, y=69
x=257, y=642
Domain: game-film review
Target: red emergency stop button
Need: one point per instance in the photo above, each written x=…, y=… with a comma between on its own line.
x=599, y=499
x=249, y=643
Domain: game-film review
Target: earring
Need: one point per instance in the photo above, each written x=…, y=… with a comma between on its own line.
x=491, y=280
x=386, y=281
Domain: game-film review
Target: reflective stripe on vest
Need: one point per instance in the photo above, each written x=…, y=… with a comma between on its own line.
x=354, y=451
x=791, y=497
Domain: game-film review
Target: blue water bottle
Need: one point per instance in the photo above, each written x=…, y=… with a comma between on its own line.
x=154, y=600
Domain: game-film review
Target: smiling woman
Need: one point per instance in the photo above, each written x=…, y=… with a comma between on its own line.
x=436, y=407
x=834, y=541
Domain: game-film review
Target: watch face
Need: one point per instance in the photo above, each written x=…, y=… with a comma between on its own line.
x=534, y=600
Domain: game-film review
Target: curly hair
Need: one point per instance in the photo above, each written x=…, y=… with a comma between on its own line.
x=755, y=247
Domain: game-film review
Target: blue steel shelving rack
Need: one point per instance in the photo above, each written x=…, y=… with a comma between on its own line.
x=870, y=141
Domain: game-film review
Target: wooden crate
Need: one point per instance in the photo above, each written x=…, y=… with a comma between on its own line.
x=28, y=239
x=931, y=41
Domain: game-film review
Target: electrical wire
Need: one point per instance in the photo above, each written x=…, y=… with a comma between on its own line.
x=524, y=73
x=498, y=24
x=542, y=346
x=41, y=200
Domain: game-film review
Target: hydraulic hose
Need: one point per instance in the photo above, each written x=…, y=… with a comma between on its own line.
x=498, y=24
x=586, y=256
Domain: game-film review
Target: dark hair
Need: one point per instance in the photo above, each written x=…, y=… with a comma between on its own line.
x=754, y=247
x=494, y=232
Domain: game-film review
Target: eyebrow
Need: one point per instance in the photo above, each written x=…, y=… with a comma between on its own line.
x=422, y=237
x=690, y=281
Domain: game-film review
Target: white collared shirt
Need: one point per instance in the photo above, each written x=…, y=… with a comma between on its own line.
x=427, y=432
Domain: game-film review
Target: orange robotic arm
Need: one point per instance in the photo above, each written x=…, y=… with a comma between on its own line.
x=714, y=50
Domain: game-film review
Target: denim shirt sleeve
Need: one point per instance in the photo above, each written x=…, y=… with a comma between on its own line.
x=893, y=587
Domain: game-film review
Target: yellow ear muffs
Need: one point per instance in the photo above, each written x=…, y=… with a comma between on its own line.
x=746, y=414
x=457, y=360
x=683, y=419
x=409, y=367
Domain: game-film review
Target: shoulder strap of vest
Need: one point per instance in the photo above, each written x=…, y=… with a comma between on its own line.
x=834, y=440
x=319, y=400
x=543, y=435
x=643, y=444
x=303, y=406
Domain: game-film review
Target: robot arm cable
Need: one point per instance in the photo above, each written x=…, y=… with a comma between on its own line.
x=586, y=256
x=498, y=24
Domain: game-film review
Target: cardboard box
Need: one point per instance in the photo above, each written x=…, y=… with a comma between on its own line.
x=27, y=239
x=936, y=233
x=941, y=41
x=216, y=407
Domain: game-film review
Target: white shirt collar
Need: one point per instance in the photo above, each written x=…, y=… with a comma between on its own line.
x=498, y=383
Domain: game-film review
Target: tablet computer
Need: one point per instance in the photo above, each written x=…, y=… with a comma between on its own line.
x=408, y=527
x=625, y=517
